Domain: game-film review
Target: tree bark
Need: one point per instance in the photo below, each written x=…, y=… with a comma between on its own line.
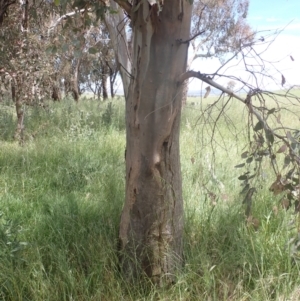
x=185, y=92
x=56, y=94
x=19, y=133
x=13, y=91
x=18, y=82
x=151, y=225
x=75, y=89
x=112, y=79
x=104, y=77
x=115, y=24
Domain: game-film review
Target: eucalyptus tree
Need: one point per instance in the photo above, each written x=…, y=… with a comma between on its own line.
x=23, y=58
x=151, y=227
x=98, y=65
x=218, y=28
x=153, y=66
x=82, y=46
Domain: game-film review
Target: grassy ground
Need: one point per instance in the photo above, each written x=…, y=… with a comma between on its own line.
x=61, y=195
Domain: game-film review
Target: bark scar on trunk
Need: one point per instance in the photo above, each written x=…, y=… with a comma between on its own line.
x=180, y=16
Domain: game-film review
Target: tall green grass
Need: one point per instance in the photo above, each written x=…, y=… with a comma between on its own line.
x=61, y=196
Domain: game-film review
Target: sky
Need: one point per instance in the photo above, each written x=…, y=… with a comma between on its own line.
x=266, y=16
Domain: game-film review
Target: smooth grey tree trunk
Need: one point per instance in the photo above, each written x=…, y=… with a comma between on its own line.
x=151, y=225
x=116, y=28
x=104, y=76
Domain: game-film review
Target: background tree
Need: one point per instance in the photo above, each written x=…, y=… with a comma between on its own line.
x=98, y=64
x=4, y=6
x=23, y=59
x=218, y=28
x=82, y=46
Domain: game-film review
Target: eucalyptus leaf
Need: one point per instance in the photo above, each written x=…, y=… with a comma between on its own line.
x=93, y=50
x=243, y=177
x=269, y=136
x=287, y=160
x=249, y=160
x=244, y=155
x=240, y=165
x=282, y=149
x=290, y=137
x=258, y=126
x=271, y=111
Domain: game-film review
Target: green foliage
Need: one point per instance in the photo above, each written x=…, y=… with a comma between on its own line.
x=107, y=115
x=12, y=256
x=62, y=193
x=93, y=50
x=7, y=122
x=10, y=246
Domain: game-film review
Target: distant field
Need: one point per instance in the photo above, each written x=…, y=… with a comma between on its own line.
x=61, y=196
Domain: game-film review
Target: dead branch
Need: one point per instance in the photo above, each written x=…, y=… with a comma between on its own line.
x=65, y=16
x=192, y=38
x=207, y=55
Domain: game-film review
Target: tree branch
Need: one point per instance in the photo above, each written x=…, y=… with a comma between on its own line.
x=204, y=55
x=192, y=38
x=247, y=101
x=125, y=5
x=64, y=17
x=207, y=80
x=115, y=24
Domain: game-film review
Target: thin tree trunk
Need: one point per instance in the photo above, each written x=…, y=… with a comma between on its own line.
x=185, y=92
x=104, y=81
x=56, y=94
x=112, y=79
x=75, y=90
x=151, y=225
x=115, y=26
x=99, y=94
x=19, y=133
x=13, y=91
x=104, y=87
x=18, y=83
x=112, y=92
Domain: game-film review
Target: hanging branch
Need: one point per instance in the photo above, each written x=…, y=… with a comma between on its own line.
x=266, y=140
x=247, y=101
